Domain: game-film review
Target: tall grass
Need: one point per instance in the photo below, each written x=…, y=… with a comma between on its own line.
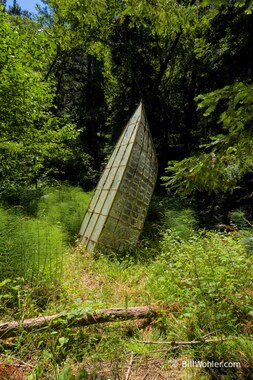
x=33, y=248
x=201, y=281
x=29, y=248
x=64, y=206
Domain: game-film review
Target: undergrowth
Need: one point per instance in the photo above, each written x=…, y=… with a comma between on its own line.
x=29, y=247
x=200, y=282
x=33, y=245
x=64, y=207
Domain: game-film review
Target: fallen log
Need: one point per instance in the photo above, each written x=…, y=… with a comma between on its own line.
x=11, y=329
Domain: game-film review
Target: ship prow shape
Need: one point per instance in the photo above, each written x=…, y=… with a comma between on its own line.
x=118, y=209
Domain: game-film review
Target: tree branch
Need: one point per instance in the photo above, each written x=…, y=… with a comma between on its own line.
x=10, y=329
x=165, y=63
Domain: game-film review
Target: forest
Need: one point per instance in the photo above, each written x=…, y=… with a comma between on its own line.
x=71, y=76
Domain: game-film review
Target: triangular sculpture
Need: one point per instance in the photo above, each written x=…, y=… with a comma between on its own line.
x=117, y=211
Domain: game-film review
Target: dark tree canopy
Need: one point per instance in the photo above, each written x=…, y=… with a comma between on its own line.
x=72, y=76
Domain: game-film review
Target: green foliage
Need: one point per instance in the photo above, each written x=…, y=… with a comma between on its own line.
x=65, y=207
x=181, y=221
x=67, y=84
x=209, y=274
x=237, y=350
x=239, y=101
x=246, y=5
x=33, y=248
x=30, y=248
x=29, y=245
x=81, y=375
x=35, y=145
x=239, y=219
x=201, y=283
x=229, y=157
x=25, y=97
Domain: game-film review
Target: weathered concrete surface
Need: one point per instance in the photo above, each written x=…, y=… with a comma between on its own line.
x=117, y=212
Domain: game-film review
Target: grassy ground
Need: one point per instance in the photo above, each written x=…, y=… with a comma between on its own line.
x=200, y=282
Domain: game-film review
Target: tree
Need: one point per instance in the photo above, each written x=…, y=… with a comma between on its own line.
x=224, y=160
x=77, y=70
x=34, y=144
x=15, y=9
x=3, y=2
x=105, y=56
x=152, y=58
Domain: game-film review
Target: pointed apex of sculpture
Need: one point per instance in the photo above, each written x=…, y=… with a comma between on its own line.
x=140, y=107
x=138, y=114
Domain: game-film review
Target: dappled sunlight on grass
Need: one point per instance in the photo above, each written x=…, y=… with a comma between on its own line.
x=97, y=278
x=200, y=283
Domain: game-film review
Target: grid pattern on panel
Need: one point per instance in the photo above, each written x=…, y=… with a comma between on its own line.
x=136, y=189
x=118, y=209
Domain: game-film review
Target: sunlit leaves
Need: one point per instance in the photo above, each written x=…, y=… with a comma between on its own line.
x=238, y=100
x=24, y=96
x=248, y=6
x=231, y=155
x=31, y=137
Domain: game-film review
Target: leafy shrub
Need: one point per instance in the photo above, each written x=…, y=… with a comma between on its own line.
x=27, y=199
x=182, y=221
x=239, y=218
x=209, y=275
x=174, y=214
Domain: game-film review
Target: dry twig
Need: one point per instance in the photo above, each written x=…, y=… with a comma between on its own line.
x=129, y=367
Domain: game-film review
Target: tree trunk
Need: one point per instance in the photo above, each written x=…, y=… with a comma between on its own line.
x=10, y=329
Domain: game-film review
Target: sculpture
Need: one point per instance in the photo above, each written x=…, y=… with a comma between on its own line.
x=117, y=211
